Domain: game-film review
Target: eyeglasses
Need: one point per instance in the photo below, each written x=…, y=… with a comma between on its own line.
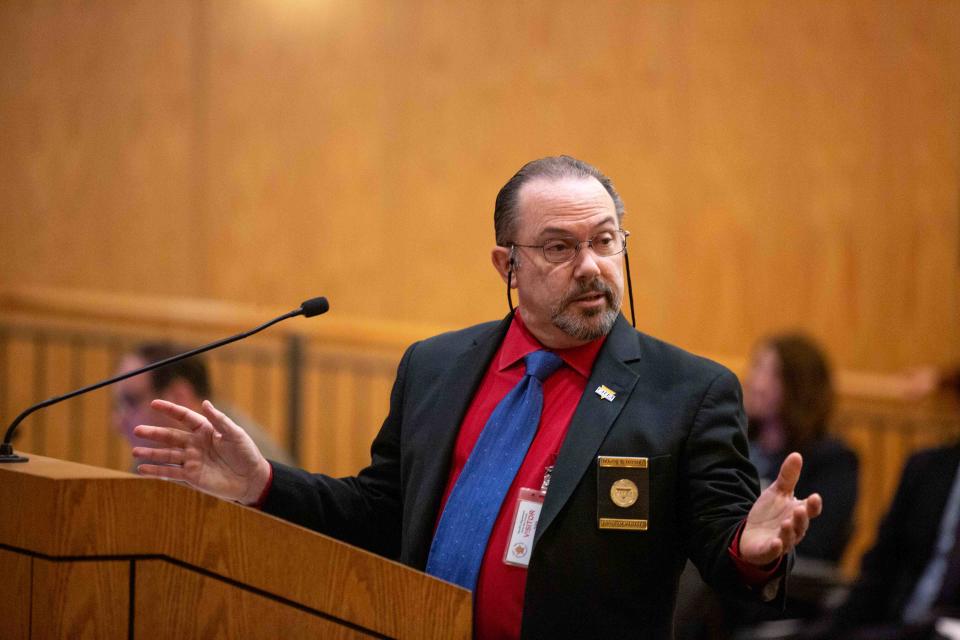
x=605, y=244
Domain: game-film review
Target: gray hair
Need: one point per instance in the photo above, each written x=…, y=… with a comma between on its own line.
x=505, y=212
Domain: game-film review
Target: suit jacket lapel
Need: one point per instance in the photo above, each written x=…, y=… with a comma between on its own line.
x=593, y=418
x=459, y=385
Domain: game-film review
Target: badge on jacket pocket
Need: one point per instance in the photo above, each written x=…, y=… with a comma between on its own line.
x=623, y=493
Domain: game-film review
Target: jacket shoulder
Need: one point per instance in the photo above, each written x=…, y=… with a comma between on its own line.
x=944, y=456
x=456, y=340
x=675, y=362
x=437, y=352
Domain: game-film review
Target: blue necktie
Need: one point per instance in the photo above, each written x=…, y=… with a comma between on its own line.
x=467, y=520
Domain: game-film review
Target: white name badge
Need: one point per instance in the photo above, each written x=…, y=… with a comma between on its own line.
x=520, y=544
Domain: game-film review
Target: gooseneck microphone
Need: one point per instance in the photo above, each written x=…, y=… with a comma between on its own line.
x=308, y=309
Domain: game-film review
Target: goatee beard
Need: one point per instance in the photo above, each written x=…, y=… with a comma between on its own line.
x=587, y=324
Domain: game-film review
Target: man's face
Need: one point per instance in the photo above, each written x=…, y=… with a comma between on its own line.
x=131, y=400
x=570, y=303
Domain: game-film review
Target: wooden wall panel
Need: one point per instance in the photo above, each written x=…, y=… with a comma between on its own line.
x=783, y=164
x=99, y=139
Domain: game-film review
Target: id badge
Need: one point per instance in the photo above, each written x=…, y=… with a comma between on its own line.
x=524, y=527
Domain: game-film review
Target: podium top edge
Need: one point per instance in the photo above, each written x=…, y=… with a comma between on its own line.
x=55, y=469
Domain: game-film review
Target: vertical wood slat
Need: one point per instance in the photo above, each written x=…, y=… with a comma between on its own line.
x=77, y=426
x=21, y=358
x=39, y=428
x=5, y=400
x=55, y=380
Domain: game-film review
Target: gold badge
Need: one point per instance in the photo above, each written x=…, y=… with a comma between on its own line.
x=624, y=493
x=626, y=480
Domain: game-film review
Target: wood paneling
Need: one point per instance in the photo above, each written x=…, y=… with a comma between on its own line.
x=15, y=594
x=98, y=138
x=85, y=517
x=80, y=599
x=186, y=604
x=783, y=164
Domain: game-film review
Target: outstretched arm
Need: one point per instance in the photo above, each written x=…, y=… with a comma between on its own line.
x=778, y=520
x=207, y=451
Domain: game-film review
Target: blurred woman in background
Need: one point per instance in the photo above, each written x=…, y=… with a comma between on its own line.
x=789, y=398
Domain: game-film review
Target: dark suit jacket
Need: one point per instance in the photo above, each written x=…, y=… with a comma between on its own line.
x=682, y=412
x=905, y=541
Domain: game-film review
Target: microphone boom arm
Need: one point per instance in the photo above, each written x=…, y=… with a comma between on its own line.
x=309, y=308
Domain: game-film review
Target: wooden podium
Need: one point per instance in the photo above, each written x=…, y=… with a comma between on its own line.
x=90, y=552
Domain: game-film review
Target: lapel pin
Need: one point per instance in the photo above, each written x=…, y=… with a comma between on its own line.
x=606, y=393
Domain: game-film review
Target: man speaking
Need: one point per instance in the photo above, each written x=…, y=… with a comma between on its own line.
x=558, y=463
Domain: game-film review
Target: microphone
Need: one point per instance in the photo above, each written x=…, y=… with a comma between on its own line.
x=313, y=307
x=308, y=309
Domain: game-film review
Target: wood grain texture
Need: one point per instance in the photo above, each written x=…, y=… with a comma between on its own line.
x=783, y=165
x=15, y=569
x=80, y=599
x=185, y=604
x=70, y=510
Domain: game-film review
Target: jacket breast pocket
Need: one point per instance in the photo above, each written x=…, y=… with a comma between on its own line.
x=631, y=491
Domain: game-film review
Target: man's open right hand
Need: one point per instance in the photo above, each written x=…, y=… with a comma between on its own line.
x=207, y=451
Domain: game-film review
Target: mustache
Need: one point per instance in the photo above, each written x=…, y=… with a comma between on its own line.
x=581, y=289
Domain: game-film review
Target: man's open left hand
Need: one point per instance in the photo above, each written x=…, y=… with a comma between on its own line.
x=778, y=520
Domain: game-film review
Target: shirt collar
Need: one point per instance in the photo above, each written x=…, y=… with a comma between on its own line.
x=519, y=342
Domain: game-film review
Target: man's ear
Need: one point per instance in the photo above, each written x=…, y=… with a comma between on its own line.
x=181, y=392
x=501, y=257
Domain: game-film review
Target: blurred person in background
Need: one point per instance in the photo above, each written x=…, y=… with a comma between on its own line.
x=908, y=587
x=788, y=397
x=186, y=383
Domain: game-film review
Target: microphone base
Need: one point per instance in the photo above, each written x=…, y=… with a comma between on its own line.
x=7, y=454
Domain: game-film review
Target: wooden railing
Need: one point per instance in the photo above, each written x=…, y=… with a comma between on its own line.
x=884, y=432
x=321, y=387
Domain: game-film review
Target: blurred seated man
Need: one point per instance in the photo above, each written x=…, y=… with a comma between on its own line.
x=186, y=383
x=910, y=578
